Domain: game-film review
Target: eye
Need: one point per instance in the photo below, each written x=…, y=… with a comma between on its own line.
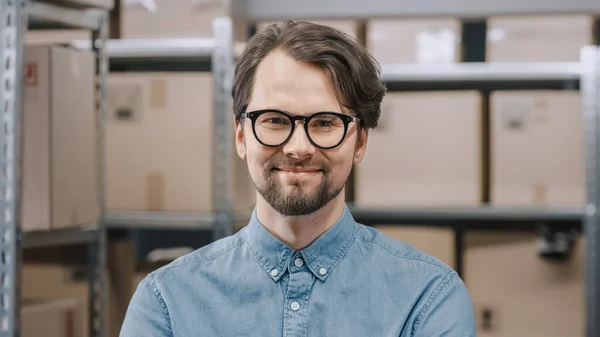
x=275, y=120
x=324, y=123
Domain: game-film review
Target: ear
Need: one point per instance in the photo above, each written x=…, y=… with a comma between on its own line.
x=240, y=143
x=361, y=146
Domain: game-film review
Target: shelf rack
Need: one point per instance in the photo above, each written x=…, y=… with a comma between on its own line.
x=579, y=75
x=582, y=75
x=16, y=18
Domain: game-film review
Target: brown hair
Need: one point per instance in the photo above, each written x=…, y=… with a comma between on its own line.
x=351, y=69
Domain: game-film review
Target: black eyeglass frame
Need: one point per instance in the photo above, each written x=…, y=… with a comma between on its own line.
x=346, y=119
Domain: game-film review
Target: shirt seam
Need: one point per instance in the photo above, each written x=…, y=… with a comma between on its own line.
x=405, y=257
x=159, y=297
x=204, y=258
x=449, y=277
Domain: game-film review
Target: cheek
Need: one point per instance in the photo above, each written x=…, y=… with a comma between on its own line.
x=341, y=161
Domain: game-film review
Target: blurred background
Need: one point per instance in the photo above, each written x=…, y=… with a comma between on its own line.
x=118, y=149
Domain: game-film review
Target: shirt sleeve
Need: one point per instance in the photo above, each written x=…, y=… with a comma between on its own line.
x=448, y=311
x=147, y=314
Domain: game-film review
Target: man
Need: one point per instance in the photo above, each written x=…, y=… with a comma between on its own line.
x=304, y=96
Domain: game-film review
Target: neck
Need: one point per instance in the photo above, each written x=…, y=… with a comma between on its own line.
x=299, y=232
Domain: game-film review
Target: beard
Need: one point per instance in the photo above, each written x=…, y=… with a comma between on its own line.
x=298, y=201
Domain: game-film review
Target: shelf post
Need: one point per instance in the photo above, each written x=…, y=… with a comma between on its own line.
x=590, y=92
x=12, y=28
x=223, y=153
x=97, y=250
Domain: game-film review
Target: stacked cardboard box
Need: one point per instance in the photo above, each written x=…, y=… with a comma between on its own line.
x=426, y=152
x=537, y=148
x=59, y=146
x=516, y=293
x=177, y=19
x=537, y=159
x=429, y=40
x=59, y=318
x=557, y=38
x=160, y=144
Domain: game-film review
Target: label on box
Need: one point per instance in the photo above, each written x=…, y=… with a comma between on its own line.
x=436, y=47
x=31, y=74
x=124, y=103
x=516, y=115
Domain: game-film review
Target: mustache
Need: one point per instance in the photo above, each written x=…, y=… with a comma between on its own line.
x=289, y=162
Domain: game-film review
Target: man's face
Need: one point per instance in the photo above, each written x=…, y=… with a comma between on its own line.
x=296, y=178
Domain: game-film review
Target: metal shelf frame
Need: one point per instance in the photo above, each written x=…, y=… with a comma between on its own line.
x=585, y=73
x=16, y=17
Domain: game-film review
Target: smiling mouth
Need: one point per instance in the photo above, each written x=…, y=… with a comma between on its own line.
x=298, y=170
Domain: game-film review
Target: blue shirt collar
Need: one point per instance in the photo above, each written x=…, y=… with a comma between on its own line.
x=321, y=257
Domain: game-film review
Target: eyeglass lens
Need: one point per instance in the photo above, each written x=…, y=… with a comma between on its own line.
x=273, y=128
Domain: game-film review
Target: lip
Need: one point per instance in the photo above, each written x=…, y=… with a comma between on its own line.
x=298, y=170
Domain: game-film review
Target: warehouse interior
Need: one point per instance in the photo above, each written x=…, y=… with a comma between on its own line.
x=118, y=150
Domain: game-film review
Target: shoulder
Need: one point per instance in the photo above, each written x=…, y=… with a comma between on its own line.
x=203, y=256
x=400, y=253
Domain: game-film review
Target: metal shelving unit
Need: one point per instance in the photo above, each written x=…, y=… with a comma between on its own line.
x=16, y=17
x=215, y=55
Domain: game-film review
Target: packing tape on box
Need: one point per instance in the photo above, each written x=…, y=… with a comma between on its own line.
x=155, y=191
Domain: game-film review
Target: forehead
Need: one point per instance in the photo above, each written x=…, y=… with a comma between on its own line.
x=283, y=83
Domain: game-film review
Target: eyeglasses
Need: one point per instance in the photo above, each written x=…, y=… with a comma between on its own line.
x=324, y=130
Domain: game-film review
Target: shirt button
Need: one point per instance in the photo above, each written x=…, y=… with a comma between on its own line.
x=295, y=305
x=322, y=271
x=299, y=263
x=274, y=272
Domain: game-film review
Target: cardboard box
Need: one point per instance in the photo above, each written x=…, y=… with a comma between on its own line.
x=555, y=38
x=353, y=28
x=160, y=144
x=103, y=4
x=61, y=318
x=537, y=148
x=517, y=293
x=425, y=152
x=434, y=40
x=59, y=143
x=177, y=19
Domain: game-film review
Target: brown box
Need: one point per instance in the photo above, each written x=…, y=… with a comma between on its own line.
x=537, y=148
x=61, y=318
x=555, y=38
x=523, y=294
x=59, y=146
x=353, y=28
x=103, y=4
x=160, y=144
x=176, y=19
x=425, y=152
x=433, y=40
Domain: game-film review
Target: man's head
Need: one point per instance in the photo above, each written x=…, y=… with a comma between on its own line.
x=292, y=70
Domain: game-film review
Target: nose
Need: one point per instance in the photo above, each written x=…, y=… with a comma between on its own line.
x=299, y=146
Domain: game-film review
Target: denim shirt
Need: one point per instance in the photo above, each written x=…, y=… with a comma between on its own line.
x=352, y=281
